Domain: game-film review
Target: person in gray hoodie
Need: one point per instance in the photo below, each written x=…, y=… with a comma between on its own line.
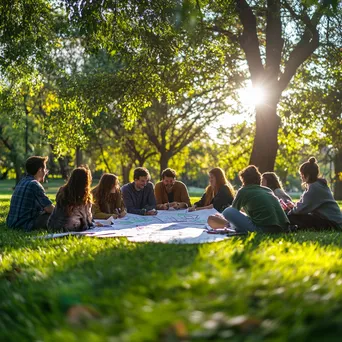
x=317, y=208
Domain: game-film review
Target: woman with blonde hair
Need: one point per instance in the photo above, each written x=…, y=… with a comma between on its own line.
x=108, y=198
x=219, y=194
x=73, y=203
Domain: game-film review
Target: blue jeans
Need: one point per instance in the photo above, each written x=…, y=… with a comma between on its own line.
x=240, y=221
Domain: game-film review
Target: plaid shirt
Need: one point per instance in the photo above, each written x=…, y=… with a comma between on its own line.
x=27, y=202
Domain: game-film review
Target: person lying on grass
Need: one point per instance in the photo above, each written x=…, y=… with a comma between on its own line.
x=219, y=193
x=317, y=208
x=264, y=213
x=30, y=208
x=107, y=198
x=73, y=203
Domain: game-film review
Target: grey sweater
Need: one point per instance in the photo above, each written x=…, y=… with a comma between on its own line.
x=319, y=200
x=138, y=202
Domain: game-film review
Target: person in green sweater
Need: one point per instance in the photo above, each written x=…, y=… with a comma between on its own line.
x=262, y=208
x=317, y=208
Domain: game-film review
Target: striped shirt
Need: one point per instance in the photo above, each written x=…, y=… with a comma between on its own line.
x=27, y=202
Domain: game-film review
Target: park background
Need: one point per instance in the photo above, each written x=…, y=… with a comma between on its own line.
x=189, y=84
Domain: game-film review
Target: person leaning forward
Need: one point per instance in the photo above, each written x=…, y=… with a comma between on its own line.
x=138, y=196
x=171, y=193
x=30, y=208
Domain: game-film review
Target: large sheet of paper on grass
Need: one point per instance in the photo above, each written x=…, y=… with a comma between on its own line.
x=176, y=226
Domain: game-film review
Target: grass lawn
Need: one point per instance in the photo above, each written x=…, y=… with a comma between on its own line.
x=255, y=288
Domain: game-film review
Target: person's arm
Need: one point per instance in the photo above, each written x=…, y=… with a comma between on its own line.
x=129, y=202
x=158, y=194
x=198, y=204
x=185, y=198
x=121, y=205
x=151, y=199
x=306, y=204
x=223, y=199
x=98, y=214
x=40, y=196
x=49, y=209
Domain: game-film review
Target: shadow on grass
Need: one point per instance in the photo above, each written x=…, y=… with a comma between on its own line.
x=113, y=281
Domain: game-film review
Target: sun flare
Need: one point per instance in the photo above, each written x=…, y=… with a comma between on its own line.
x=252, y=96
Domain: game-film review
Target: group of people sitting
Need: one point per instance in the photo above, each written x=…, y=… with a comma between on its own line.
x=259, y=205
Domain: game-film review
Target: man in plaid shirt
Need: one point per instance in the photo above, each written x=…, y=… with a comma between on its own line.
x=30, y=207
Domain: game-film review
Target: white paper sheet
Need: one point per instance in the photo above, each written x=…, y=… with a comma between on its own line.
x=180, y=226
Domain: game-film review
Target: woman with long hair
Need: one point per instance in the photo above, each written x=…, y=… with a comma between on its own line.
x=108, y=198
x=219, y=194
x=272, y=181
x=317, y=207
x=73, y=203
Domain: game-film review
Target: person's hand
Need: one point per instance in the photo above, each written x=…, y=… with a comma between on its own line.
x=175, y=205
x=122, y=214
x=193, y=208
x=98, y=224
x=165, y=206
x=151, y=212
x=290, y=205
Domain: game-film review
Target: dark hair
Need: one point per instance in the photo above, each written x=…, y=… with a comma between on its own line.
x=250, y=175
x=310, y=170
x=34, y=163
x=221, y=180
x=140, y=172
x=272, y=180
x=168, y=173
x=77, y=190
x=102, y=191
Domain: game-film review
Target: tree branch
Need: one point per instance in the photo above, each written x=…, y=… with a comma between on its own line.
x=274, y=40
x=234, y=38
x=249, y=40
x=308, y=43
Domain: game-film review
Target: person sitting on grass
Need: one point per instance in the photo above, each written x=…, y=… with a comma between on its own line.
x=264, y=213
x=171, y=193
x=30, y=208
x=271, y=180
x=138, y=196
x=73, y=203
x=107, y=198
x=317, y=208
x=219, y=194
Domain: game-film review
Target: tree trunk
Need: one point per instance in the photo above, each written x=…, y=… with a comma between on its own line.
x=18, y=173
x=64, y=168
x=164, y=161
x=338, y=175
x=265, y=145
x=78, y=156
x=125, y=170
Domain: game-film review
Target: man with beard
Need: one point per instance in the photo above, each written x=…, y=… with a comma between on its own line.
x=171, y=193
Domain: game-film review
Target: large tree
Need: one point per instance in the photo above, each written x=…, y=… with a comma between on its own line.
x=275, y=36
